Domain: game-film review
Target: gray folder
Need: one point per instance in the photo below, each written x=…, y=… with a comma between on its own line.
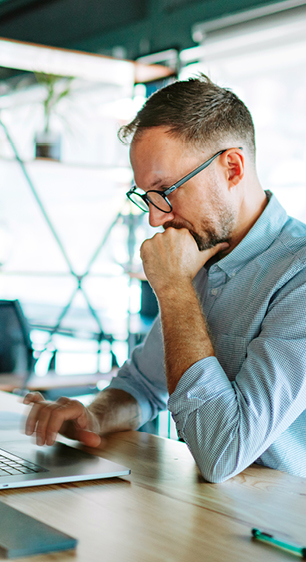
x=22, y=535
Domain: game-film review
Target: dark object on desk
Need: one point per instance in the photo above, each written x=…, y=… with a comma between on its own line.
x=22, y=535
x=16, y=352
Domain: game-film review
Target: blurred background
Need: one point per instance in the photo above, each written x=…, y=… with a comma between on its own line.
x=71, y=73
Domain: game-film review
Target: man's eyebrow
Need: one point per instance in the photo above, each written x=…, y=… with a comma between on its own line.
x=162, y=183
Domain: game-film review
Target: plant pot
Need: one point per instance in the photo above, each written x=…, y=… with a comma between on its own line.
x=48, y=145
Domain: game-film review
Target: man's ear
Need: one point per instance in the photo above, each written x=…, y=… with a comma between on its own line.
x=233, y=160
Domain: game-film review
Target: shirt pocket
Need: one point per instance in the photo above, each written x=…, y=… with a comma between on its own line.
x=231, y=351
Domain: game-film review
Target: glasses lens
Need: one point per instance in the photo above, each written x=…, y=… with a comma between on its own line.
x=158, y=201
x=137, y=199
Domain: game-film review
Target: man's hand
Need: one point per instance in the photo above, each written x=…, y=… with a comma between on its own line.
x=65, y=416
x=172, y=257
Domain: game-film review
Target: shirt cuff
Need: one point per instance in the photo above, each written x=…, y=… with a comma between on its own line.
x=202, y=382
x=123, y=383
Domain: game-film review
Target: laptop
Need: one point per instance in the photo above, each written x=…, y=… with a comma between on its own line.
x=23, y=463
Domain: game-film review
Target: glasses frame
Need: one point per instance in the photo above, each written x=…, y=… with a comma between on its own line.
x=164, y=194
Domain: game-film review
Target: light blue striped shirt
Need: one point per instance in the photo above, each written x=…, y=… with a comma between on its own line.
x=248, y=403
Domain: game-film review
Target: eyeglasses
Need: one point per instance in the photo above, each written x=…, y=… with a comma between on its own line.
x=159, y=199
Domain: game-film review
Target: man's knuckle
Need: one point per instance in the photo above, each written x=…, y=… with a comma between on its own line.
x=63, y=401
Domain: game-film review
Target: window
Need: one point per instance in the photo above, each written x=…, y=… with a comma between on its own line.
x=263, y=60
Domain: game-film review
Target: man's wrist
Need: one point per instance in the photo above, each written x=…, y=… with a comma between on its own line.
x=114, y=410
x=94, y=423
x=175, y=292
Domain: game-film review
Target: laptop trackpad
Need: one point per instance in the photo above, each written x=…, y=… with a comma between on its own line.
x=58, y=455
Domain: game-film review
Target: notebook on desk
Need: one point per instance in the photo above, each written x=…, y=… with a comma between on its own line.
x=23, y=463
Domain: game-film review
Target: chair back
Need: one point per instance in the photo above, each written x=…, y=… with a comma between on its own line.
x=16, y=352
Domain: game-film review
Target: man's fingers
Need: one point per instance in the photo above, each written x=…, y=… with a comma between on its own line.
x=89, y=438
x=33, y=397
x=32, y=418
x=43, y=430
x=221, y=247
x=38, y=419
x=60, y=412
x=47, y=418
x=49, y=422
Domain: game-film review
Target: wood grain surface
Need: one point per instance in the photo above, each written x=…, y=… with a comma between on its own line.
x=164, y=511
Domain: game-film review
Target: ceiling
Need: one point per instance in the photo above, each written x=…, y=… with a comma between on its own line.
x=122, y=28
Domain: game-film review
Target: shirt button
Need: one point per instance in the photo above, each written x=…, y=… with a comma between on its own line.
x=214, y=292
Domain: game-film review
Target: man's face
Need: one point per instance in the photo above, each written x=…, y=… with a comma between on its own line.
x=202, y=205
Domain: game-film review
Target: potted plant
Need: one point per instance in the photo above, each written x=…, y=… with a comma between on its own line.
x=47, y=142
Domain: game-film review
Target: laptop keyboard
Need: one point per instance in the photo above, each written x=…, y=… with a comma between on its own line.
x=10, y=465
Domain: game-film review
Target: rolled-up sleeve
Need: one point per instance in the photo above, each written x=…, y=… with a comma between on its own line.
x=228, y=425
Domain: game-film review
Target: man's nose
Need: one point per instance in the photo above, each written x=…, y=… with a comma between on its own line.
x=157, y=217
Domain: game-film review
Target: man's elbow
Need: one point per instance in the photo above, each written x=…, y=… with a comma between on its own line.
x=214, y=478
x=217, y=471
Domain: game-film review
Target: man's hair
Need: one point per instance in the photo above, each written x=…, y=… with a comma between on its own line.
x=197, y=111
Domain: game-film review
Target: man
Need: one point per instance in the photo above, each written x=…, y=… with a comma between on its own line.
x=229, y=273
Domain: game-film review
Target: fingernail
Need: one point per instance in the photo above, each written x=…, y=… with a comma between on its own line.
x=51, y=438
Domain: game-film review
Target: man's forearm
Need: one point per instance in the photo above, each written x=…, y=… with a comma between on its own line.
x=171, y=261
x=186, y=338
x=115, y=410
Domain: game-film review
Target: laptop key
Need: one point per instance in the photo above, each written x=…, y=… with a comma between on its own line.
x=10, y=463
x=13, y=471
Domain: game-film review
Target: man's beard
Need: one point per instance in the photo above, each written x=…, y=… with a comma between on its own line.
x=211, y=234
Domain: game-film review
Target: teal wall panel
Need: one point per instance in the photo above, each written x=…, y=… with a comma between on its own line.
x=138, y=27
x=168, y=24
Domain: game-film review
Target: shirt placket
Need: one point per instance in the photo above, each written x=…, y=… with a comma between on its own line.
x=216, y=280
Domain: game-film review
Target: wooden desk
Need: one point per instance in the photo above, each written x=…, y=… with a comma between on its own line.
x=164, y=511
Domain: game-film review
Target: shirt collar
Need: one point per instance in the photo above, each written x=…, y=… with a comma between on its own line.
x=258, y=239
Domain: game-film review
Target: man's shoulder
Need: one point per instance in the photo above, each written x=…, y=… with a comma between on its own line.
x=293, y=238
x=285, y=259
